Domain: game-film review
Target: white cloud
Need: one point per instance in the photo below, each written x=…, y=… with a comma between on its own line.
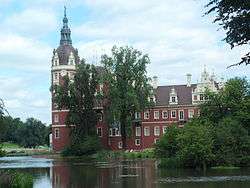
x=30, y=22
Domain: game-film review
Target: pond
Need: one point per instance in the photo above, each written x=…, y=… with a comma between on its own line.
x=58, y=173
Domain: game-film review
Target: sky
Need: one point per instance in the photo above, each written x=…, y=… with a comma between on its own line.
x=176, y=35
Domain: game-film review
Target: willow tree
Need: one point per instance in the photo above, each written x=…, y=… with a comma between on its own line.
x=234, y=17
x=128, y=86
x=78, y=96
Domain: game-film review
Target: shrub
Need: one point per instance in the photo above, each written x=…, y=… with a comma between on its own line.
x=2, y=152
x=16, y=179
x=87, y=146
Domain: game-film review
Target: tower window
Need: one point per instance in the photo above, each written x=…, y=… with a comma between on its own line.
x=157, y=131
x=156, y=114
x=99, y=131
x=146, y=131
x=138, y=131
x=57, y=133
x=173, y=99
x=146, y=115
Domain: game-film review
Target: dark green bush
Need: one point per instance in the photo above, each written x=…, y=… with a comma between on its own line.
x=88, y=146
x=2, y=152
x=172, y=162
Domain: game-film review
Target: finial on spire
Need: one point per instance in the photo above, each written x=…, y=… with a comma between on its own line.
x=65, y=9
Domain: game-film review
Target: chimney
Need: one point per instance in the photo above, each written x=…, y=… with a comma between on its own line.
x=188, y=79
x=155, y=82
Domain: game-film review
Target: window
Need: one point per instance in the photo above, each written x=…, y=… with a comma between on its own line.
x=57, y=133
x=56, y=118
x=138, y=131
x=164, y=129
x=156, y=140
x=146, y=115
x=120, y=145
x=146, y=131
x=55, y=76
x=99, y=131
x=114, y=132
x=156, y=115
x=99, y=116
x=195, y=97
x=157, y=131
x=164, y=114
x=137, y=142
x=201, y=97
x=190, y=113
x=173, y=99
x=181, y=115
x=137, y=115
x=173, y=114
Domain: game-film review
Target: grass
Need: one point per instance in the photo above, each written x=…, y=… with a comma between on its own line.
x=107, y=155
x=9, y=145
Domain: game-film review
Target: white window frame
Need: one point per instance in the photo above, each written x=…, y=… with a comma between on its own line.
x=162, y=114
x=56, y=118
x=189, y=113
x=137, y=144
x=146, y=116
x=164, y=129
x=57, y=133
x=155, y=131
x=99, y=128
x=145, y=132
x=137, y=131
x=155, y=112
x=137, y=115
x=120, y=145
x=172, y=113
x=180, y=115
x=156, y=140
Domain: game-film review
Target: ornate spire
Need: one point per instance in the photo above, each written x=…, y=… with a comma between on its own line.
x=65, y=31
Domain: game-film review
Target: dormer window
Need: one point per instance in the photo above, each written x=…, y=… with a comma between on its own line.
x=55, y=61
x=173, y=99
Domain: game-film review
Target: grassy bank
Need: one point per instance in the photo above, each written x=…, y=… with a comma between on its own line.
x=107, y=155
x=12, y=149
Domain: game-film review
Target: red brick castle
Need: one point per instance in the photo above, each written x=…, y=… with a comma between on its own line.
x=174, y=104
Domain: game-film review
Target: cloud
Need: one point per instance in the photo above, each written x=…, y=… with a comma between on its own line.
x=31, y=22
x=24, y=53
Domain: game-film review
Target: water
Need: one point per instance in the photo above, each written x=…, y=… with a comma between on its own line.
x=71, y=173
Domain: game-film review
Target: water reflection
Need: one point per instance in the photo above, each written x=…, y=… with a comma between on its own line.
x=124, y=174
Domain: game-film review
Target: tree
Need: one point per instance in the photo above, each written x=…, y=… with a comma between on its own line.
x=32, y=133
x=167, y=146
x=79, y=98
x=234, y=17
x=128, y=86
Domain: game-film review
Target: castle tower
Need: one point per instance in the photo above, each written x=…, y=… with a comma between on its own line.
x=64, y=61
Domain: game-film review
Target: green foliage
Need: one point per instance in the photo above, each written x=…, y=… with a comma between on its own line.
x=232, y=143
x=219, y=137
x=32, y=134
x=195, y=144
x=128, y=86
x=167, y=147
x=87, y=146
x=233, y=16
x=2, y=152
x=79, y=98
x=15, y=179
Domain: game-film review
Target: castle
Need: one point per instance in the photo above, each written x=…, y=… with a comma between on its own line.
x=173, y=104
